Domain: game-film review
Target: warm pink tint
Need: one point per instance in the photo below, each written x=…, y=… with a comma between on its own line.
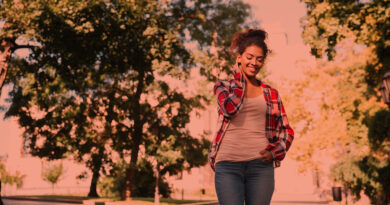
x=280, y=18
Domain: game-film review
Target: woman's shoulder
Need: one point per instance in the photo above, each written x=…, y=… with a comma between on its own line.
x=273, y=92
x=225, y=83
x=272, y=89
x=221, y=83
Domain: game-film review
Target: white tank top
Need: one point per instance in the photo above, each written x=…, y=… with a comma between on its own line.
x=245, y=136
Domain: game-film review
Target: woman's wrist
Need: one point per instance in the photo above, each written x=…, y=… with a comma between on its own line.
x=272, y=154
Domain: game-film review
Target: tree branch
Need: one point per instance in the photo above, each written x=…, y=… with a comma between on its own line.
x=24, y=46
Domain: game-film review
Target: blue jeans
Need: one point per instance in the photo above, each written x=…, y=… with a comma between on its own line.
x=250, y=181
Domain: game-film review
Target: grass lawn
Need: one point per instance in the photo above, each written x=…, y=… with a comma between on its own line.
x=71, y=197
x=170, y=201
x=135, y=200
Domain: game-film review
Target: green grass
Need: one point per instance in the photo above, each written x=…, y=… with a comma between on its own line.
x=71, y=197
x=148, y=199
x=59, y=197
x=168, y=200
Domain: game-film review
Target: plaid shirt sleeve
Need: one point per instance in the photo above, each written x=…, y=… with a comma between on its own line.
x=285, y=134
x=229, y=95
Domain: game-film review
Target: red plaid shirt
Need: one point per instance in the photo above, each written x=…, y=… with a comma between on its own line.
x=230, y=96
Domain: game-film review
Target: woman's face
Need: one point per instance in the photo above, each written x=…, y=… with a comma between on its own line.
x=252, y=60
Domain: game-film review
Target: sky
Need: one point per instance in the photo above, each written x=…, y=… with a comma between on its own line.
x=280, y=16
x=281, y=19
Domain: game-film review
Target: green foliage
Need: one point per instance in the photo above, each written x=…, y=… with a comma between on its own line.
x=379, y=132
x=332, y=113
x=377, y=166
x=327, y=23
x=99, y=74
x=175, y=152
x=8, y=178
x=52, y=173
x=378, y=172
x=328, y=107
x=369, y=173
x=144, y=181
x=348, y=172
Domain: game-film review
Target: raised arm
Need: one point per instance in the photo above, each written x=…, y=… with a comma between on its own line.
x=229, y=95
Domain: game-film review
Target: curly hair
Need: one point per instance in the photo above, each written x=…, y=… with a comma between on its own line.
x=241, y=40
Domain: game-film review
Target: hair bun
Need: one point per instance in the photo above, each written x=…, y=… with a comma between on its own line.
x=256, y=33
x=249, y=37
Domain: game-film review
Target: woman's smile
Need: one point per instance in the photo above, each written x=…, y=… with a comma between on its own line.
x=251, y=61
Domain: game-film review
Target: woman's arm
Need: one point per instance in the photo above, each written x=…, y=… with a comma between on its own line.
x=285, y=136
x=229, y=95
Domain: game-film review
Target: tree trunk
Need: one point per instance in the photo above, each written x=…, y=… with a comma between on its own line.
x=136, y=138
x=381, y=199
x=97, y=162
x=126, y=190
x=156, y=191
x=346, y=195
x=6, y=50
x=92, y=188
x=1, y=201
x=130, y=171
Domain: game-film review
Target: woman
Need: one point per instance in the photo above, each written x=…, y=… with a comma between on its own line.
x=254, y=133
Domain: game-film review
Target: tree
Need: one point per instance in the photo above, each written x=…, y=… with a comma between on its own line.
x=97, y=82
x=8, y=178
x=369, y=173
x=52, y=37
x=171, y=152
x=43, y=19
x=348, y=172
x=328, y=22
x=52, y=173
x=143, y=184
x=328, y=108
x=16, y=33
x=377, y=164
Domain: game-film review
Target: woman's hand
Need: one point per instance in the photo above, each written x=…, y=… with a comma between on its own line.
x=265, y=156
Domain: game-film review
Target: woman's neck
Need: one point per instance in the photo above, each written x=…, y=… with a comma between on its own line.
x=252, y=81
